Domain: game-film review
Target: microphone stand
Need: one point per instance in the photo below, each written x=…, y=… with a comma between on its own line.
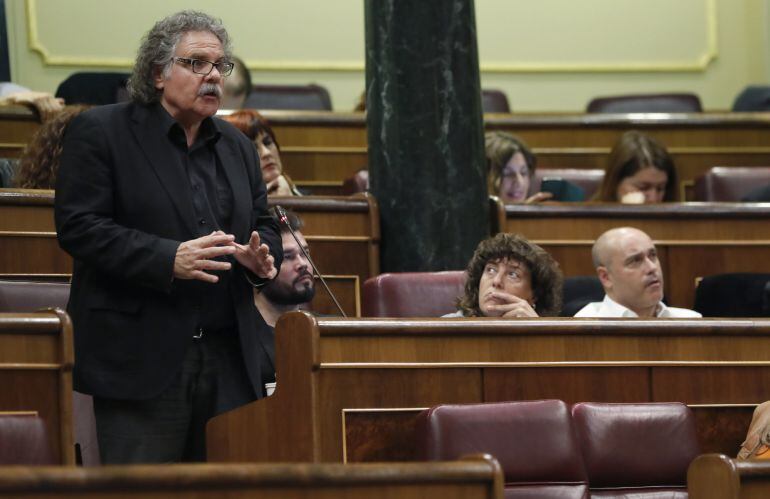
x=283, y=218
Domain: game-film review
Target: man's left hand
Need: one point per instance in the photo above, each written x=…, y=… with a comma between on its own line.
x=256, y=257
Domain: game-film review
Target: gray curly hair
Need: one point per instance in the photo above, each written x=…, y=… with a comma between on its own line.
x=158, y=48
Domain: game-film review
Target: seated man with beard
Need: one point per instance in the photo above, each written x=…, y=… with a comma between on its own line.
x=294, y=284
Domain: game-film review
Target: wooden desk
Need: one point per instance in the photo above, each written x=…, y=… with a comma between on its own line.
x=320, y=149
x=693, y=239
x=350, y=390
x=17, y=125
x=716, y=476
x=343, y=232
x=36, y=357
x=472, y=478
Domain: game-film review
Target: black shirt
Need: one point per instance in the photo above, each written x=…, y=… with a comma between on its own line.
x=212, y=198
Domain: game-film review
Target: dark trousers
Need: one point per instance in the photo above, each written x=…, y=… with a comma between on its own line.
x=171, y=427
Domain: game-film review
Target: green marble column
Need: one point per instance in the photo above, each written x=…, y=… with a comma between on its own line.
x=426, y=143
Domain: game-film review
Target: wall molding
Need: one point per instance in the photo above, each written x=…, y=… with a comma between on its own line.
x=699, y=64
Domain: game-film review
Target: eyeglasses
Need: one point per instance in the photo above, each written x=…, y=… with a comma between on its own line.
x=205, y=67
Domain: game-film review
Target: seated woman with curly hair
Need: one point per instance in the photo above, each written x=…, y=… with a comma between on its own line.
x=39, y=162
x=509, y=276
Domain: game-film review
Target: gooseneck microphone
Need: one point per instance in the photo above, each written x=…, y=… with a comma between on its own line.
x=284, y=219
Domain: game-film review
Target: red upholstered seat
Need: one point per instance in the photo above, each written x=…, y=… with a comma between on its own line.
x=646, y=103
x=730, y=183
x=305, y=97
x=494, y=101
x=534, y=442
x=24, y=440
x=412, y=294
x=636, y=449
x=29, y=296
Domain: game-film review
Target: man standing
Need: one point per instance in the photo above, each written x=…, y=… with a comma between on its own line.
x=628, y=267
x=163, y=209
x=295, y=284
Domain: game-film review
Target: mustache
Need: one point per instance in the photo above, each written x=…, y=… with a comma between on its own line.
x=210, y=88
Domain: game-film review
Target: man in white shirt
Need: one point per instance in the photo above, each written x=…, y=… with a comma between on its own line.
x=628, y=267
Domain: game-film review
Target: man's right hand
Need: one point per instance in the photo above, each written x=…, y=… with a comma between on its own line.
x=195, y=257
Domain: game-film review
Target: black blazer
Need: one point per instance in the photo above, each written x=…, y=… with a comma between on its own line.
x=123, y=206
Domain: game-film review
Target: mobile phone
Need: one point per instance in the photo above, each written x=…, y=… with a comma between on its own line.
x=562, y=190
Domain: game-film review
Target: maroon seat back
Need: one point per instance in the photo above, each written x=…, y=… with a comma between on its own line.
x=646, y=103
x=494, y=101
x=24, y=440
x=29, y=296
x=730, y=183
x=302, y=97
x=412, y=294
x=587, y=179
x=534, y=442
x=636, y=449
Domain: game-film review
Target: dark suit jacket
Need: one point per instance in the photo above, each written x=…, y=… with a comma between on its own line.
x=123, y=206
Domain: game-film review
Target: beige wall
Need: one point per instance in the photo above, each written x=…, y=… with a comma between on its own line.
x=547, y=55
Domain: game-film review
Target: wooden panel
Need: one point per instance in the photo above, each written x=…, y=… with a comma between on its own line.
x=339, y=392
x=36, y=357
x=33, y=254
x=343, y=232
x=474, y=478
x=17, y=124
x=722, y=428
x=728, y=384
x=377, y=435
x=345, y=288
x=597, y=384
x=335, y=372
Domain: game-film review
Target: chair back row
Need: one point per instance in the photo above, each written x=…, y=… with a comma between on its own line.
x=547, y=449
x=433, y=294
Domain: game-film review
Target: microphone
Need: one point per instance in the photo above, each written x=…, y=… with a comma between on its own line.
x=284, y=219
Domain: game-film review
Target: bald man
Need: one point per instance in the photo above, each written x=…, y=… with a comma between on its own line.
x=628, y=267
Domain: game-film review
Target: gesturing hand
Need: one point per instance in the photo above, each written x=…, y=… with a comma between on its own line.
x=256, y=257
x=195, y=257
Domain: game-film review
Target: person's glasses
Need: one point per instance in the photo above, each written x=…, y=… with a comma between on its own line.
x=204, y=67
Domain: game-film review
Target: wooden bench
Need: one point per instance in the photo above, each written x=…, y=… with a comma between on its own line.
x=693, y=239
x=17, y=125
x=36, y=358
x=716, y=476
x=343, y=233
x=477, y=477
x=320, y=150
x=350, y=390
